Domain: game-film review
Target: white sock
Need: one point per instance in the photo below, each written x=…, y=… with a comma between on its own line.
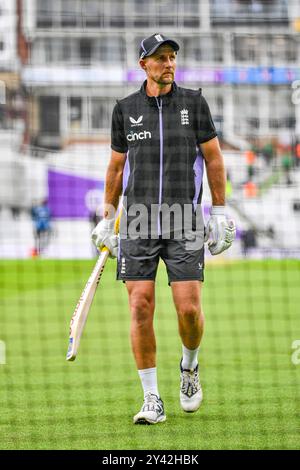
x=189, y=358
x=149, y=380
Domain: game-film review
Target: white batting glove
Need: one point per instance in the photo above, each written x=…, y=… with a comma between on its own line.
x=104, y=235
x=219, y=232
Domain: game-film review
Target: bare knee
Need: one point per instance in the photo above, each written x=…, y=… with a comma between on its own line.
x=142, y=308
x=190, y=313
x=141, y=302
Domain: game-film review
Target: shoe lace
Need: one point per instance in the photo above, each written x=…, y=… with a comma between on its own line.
x=190, y=382
x=152, y=403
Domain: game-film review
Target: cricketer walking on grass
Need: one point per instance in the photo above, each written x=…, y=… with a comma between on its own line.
x=161, y=138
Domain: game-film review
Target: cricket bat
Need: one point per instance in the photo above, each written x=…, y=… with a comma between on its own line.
x=84, y=304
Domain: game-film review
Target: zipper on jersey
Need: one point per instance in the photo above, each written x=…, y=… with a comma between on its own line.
x=161, y=161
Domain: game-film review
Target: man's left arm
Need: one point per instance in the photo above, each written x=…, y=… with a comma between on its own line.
x=219, y=230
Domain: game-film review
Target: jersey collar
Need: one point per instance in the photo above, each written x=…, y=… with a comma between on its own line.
x=165, y=98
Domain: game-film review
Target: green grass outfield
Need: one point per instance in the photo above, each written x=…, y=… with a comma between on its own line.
x=251, y=387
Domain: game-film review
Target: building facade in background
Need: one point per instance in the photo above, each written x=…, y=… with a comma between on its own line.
x=82, y=55
x=11, y=99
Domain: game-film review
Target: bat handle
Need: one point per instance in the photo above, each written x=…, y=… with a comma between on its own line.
x=117, y=224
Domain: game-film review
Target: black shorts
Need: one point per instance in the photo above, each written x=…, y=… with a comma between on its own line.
x=138, y=260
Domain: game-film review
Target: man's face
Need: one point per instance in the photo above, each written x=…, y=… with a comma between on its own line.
x=161, y=65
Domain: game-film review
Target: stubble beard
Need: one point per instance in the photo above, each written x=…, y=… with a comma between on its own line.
x=165, y=81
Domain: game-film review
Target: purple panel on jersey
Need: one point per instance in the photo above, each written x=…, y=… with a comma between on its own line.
x=198, y=169
x=126, y=173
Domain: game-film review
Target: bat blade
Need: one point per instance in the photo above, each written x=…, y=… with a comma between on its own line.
x=82, y=308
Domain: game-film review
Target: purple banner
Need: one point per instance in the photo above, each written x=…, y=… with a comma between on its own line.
x=135, y=75
x=232, y=75
x=73, y=196
x=200, y=75
x=183, y=75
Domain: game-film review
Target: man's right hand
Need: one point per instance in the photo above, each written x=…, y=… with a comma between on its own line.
x=104, y=235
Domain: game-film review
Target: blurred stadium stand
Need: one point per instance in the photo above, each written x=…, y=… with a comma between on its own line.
x=64, y=63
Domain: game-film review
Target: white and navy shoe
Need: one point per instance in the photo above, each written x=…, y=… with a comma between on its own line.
x=152, y=411
x=190, y=389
